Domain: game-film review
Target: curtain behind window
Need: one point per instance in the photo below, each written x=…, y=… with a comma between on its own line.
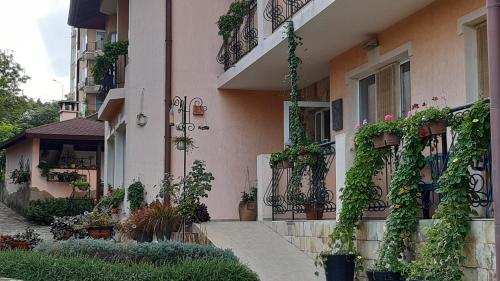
x=386, y=92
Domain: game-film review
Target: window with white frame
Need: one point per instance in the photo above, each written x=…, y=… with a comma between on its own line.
x=482, y=60
x=385, y=92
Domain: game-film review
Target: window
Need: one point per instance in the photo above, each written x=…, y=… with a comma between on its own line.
x=100, y=35
x=388, y=91
x=322, y=126
x=482, y=60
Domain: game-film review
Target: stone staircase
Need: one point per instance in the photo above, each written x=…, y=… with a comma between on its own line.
x=266, y=252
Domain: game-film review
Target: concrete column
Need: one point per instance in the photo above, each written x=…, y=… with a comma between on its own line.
x=264, y=175
x=119, y=161
x=493, y=18
x=340, y=168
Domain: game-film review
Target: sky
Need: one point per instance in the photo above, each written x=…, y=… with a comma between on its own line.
x=37, y=33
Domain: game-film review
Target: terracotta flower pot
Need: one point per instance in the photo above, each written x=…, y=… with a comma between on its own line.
x=248, y=211
x=102, y=232
x=67, y=234
x=437, y=127
x=285, y=164
x=311, y=213
x=385, y=140
x=20, y=245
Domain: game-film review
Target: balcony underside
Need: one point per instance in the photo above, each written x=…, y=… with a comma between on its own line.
x=328, y=28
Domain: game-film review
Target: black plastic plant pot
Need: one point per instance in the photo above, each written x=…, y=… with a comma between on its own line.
x=383, y=276
x=339, y=267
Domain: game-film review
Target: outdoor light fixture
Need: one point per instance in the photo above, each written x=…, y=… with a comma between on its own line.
x=171, y=116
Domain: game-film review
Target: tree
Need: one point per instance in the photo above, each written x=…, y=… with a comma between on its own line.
x=39, y=114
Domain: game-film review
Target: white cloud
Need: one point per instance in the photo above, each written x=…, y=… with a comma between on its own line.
x=37, y=32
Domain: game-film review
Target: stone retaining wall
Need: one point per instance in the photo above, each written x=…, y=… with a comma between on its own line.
x=312, y=237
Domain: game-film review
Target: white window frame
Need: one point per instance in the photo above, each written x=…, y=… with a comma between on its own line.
x=286, y=116
x=466, y=26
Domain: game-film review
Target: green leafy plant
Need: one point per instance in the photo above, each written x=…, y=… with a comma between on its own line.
x=44, y=211
x=250, y=196
x=184, y=143
x=104, y=63
x=81, y=184
x=113, y=199
x=441, y=256
x=162, y=253
x=136, y=195
x=196, y=185
x=29, y=235
x=23, y=174
x=99, y=217
x=402, y=221
x=66, y=227
x=280, y=156
x=36, y=266
x=233, y=18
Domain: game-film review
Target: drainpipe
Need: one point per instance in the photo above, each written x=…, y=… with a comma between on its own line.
x=493, y=8
x=168, y=83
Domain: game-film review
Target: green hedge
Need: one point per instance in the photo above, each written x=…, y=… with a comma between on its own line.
x=35, y=266
x=165, y=252
x=44, y=211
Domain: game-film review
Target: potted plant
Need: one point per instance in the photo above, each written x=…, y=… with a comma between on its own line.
x=184, y=143
x=313, y=209
x=307, y=154
x=81, y=184
x=24, y=241
x=248, y=205
x=434, y=120
x=386, y=133
x=4, y=241
x=64, y=228
x=99, y=224
x=282, y=159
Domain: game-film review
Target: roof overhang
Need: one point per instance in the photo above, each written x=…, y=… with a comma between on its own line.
x=328, y=28
x=86, y=14
x=112, y=105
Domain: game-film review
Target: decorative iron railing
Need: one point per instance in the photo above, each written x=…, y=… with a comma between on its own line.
x=242, y=40
x=438, y=151
x=114, y=78
x=279, y=11
x=313, y=188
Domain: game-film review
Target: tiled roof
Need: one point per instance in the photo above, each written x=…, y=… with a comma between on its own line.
x=71, y=127
x=76, y=129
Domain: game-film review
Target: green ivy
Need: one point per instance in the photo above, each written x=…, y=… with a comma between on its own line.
x=359, y=188
x=136, y=195
x=233, y=18
x=441, y=256
x=104, y=63
x=402, y=221
x=297, y=133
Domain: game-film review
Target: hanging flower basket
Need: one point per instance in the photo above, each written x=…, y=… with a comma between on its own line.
x=285, y=164
x=386, y=139
x=437, y=127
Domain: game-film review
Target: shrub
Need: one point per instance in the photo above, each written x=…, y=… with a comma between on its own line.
x=164, y=252
x=44, y=211
x=136, y=195
x=200, y=214
x=35, y=266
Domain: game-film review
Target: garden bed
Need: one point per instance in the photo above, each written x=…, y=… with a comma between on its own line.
x=36, y=266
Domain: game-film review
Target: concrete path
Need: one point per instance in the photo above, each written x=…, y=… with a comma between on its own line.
x=12, y=223
x=264, y=251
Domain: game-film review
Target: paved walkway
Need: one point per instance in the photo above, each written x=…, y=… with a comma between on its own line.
x=264, y=251
x=12, y=223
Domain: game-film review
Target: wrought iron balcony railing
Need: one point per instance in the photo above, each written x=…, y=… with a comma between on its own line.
x=114, y=78
x=313, y=190
x=242, y=39
x=438, y=150
x=279, y=11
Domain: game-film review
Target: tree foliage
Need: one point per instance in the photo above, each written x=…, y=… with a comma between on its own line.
x=18, y=112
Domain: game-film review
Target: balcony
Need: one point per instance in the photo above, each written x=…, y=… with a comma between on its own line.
x=242, y=40
x=91, y=50
x=328, y=28
x=88, y=86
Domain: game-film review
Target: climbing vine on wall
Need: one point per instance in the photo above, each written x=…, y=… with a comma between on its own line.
x=402, y=221
x=441, y=257
x=298, y=135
